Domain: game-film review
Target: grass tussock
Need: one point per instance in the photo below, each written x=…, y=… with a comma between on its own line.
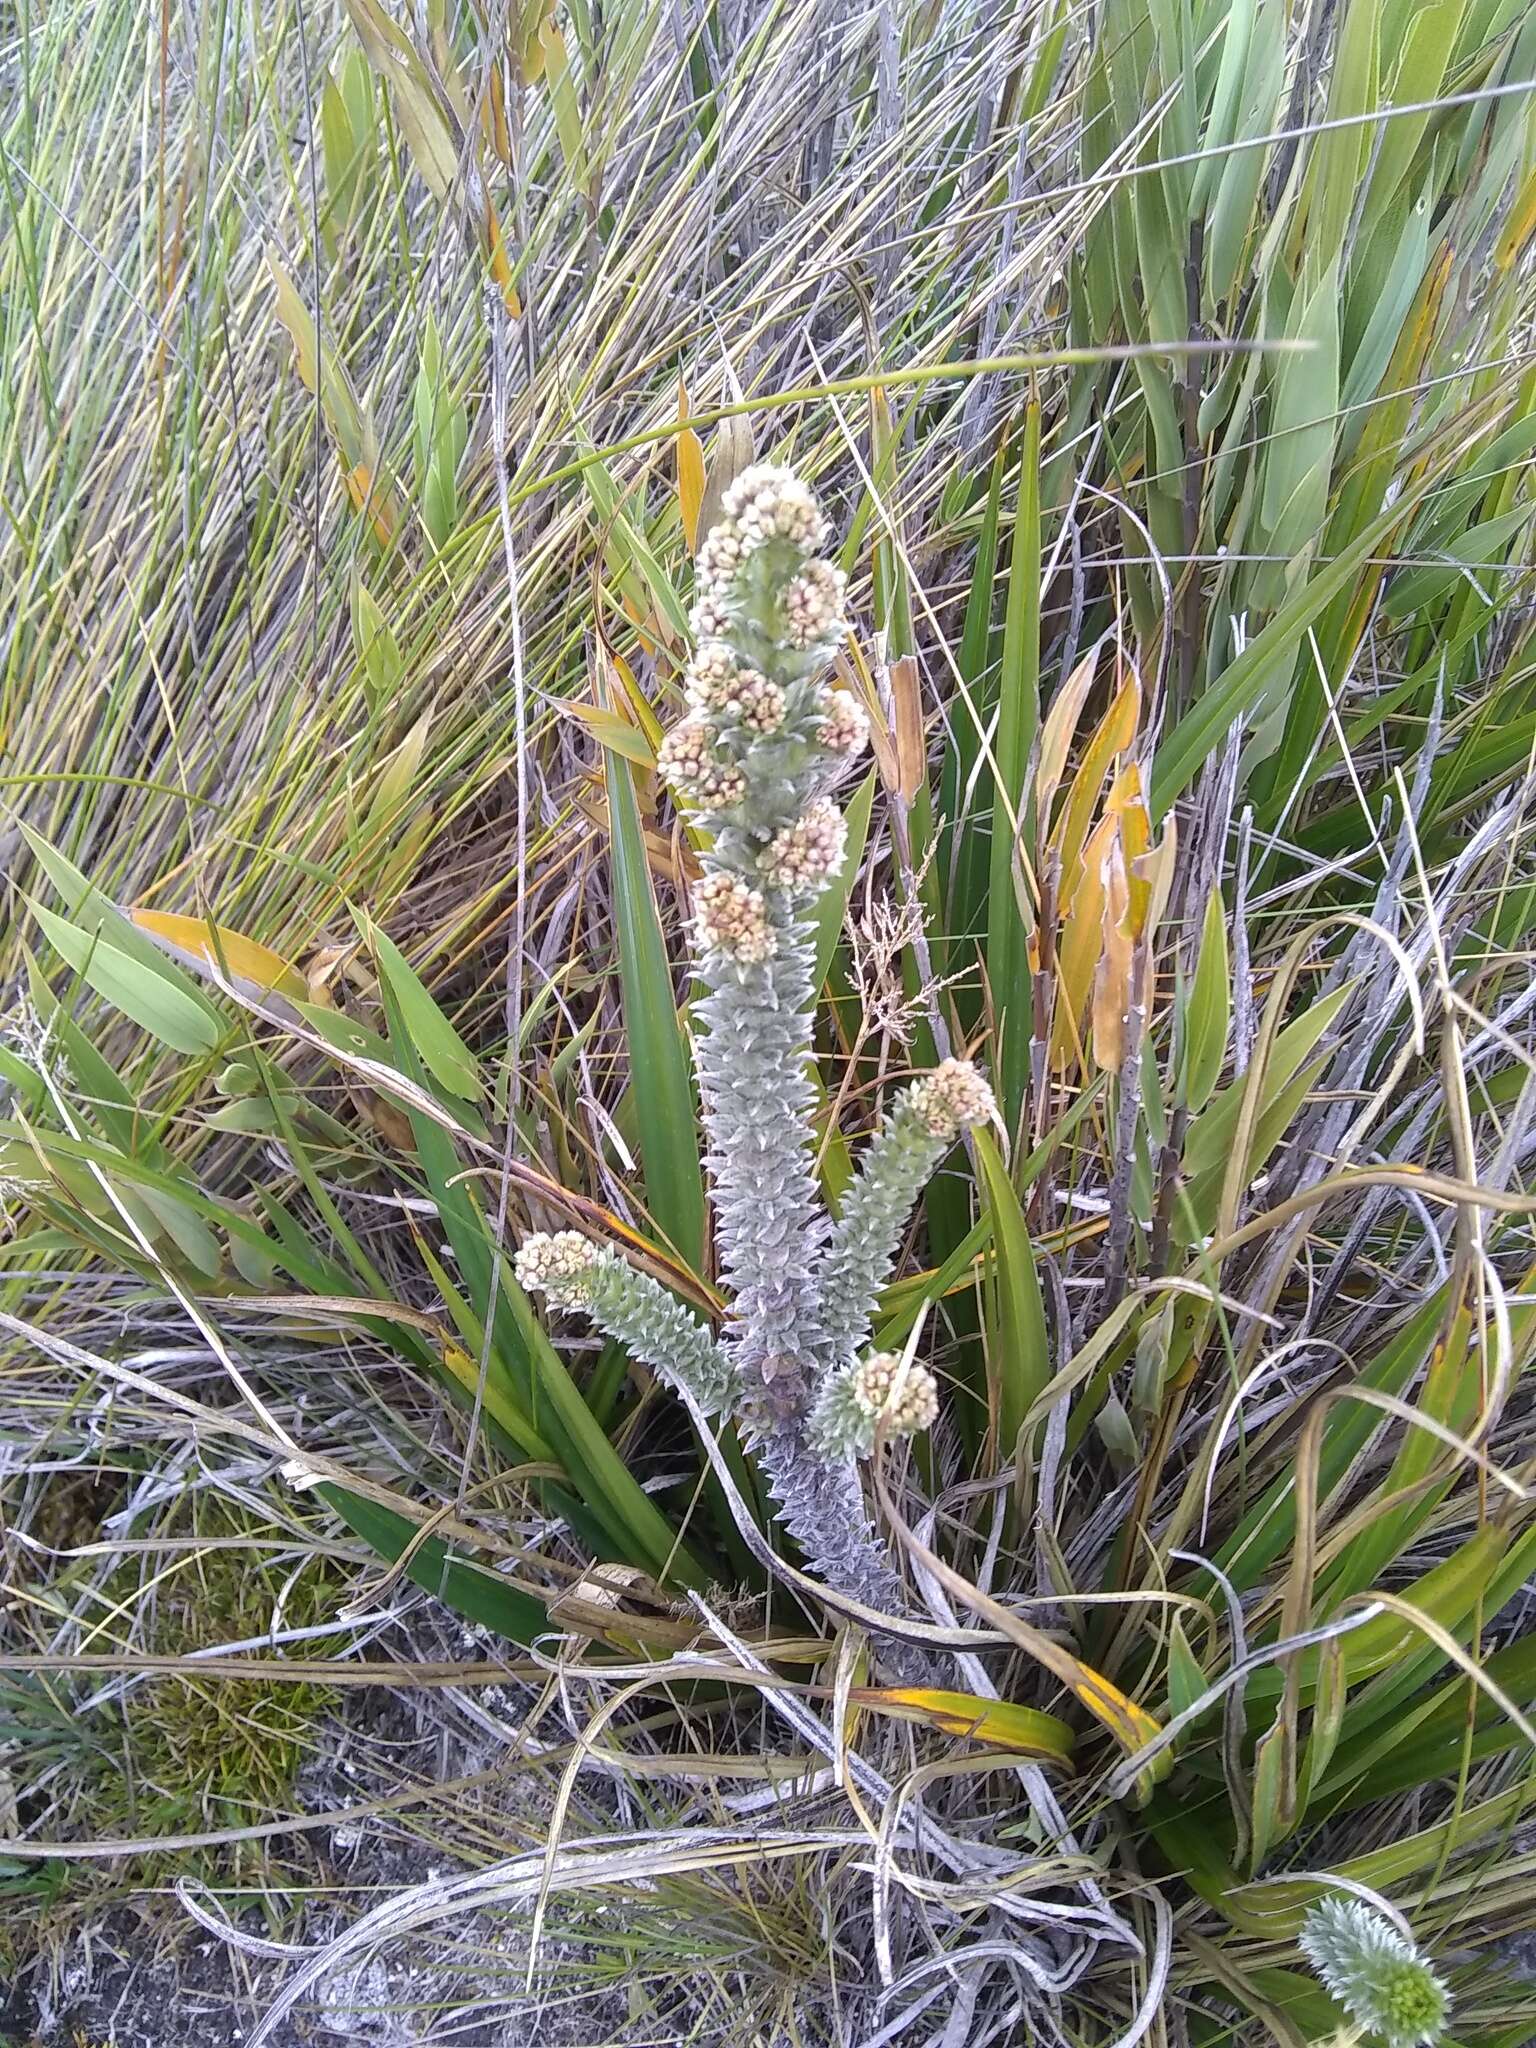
x=367, y=384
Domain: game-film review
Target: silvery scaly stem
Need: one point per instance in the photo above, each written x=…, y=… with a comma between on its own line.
x=872, y=1222
x=752, y=1058
x=927, y=1119
x=821, y=1503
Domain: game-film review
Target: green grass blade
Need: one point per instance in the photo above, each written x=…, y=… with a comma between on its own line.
x=1009, y=915
x=1018, y=1345
x=665, y=1105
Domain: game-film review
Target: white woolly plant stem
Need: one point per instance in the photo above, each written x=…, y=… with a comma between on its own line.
x=877, y=1208
x=658, y=1331
x=755, y=1085
x=628, y=1305
x=754, y=1082
x=821, y=1503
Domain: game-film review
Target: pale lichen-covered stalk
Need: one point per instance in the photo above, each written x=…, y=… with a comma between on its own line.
x=765, y=740
x=752, y=1058
x=921, y=1127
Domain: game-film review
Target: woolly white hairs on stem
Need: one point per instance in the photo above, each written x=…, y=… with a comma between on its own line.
x=754, y=1077
x=926, y=1120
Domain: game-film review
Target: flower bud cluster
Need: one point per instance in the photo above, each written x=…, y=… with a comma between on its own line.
x=1376, y=1972
x=718, y=688
x=844, y=726
x=881, y=1392
x=559, y=1265
x=695, y=768
x=813, y=605
x=765, y=735
x=731, y=918
x=767, y=503
x=805, y=856
x=898, y=1390
x=953, y=1098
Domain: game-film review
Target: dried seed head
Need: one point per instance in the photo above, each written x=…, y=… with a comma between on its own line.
x=951, y=1098
x=813, y=605
x=902, y=1394
x=696, y=772
x=730, y=918
x=807, y=854
x=768, y=503
x=556, y=1264
x=844, y=727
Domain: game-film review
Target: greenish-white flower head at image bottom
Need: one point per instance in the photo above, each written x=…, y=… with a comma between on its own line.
x=1376, y=1973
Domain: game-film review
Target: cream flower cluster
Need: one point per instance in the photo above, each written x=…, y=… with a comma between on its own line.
x=898, y=1391
x=805, y=856
x=768, y=503
x=718, y=687
x=709, y=618
x=764, y=506
x=881, y=1392
x=556, y=1265
x=694, y=767
x=731, y=918
x=844, y=727
x=953, y=1098
x=813, y=605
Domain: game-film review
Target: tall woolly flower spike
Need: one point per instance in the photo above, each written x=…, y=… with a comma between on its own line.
x=1377, y=1974
x=756, y=950
x=763, y=740
x=652, y=1324
x=922, y=1125
x=768, y=607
